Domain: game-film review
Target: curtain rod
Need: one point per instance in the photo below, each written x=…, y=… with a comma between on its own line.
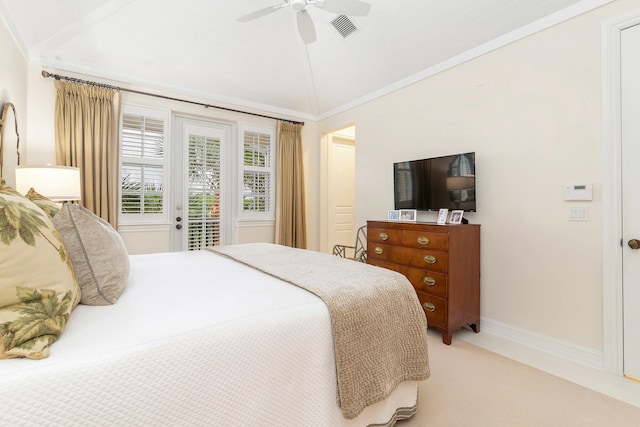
x=107, y=86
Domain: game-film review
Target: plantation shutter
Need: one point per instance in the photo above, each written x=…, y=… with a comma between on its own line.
x=143, y=170
x=204, y=185
x=257, y=173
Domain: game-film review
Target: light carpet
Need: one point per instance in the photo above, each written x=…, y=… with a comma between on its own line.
x=471, y=386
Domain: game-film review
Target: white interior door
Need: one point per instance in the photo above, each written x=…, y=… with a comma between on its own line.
x=341, y=181
x=201, y=184
x=630, y=163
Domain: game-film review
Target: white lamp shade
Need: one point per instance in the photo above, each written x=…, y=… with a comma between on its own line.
x=58, y=183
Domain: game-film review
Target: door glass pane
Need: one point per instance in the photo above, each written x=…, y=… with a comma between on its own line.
x=203, y=192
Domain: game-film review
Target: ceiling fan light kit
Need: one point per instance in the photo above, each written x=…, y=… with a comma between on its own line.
x=306, y=27
x=298, y=5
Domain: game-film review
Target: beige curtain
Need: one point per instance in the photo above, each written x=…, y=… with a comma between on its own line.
x=291, y=226
x=86, y=125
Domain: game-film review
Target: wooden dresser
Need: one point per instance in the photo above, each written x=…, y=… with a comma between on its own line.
x=442, y=262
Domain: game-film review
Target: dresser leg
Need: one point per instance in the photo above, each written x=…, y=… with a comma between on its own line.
x=475, y=327
x=446, y=337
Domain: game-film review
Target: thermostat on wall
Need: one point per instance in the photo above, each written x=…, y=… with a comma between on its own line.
x=578, y=192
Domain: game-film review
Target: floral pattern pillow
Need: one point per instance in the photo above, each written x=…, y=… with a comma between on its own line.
x=49, y=207
x=38, y=288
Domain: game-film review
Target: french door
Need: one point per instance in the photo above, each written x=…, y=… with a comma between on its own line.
x=201, y=184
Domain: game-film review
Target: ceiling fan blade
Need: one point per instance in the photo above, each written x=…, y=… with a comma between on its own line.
x=305, y=27
x=260, y=13
x=347, y=7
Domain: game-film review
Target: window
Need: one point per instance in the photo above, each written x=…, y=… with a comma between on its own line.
x=257, y=172
x=143, y=165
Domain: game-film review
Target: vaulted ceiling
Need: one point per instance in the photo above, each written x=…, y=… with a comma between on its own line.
x=199, y=48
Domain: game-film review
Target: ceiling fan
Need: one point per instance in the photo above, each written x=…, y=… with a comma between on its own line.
x=306, y=28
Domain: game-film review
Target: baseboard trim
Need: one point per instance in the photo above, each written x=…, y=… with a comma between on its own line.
x=558, y=348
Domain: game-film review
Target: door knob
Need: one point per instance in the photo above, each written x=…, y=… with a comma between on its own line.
x=179, y=226
x=179, y=218
x=634, y=243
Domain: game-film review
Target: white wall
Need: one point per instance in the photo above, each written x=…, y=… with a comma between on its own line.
x=532, y=113
x=13, y=89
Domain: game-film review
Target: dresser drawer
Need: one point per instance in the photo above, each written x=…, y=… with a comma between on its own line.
x=435, y=309
x=384, y=252
x=384, y=235
x=421, y=279
x=425, y=240
x=425, y=280
x=423, y=258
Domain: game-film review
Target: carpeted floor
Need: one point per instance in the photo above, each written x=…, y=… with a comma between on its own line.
x=470, y=386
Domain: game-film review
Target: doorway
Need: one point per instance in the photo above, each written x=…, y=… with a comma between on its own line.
x=620, y=196
x=341, y=151
x=201, y=184
x=630, y=143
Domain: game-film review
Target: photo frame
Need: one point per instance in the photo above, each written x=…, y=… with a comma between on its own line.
x=442, y=216
x=456, y=217
x=393, y=215
x=408, y=215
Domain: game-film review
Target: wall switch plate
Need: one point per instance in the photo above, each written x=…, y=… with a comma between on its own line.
x=578, y=213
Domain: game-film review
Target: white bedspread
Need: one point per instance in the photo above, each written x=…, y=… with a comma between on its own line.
x=195, y=339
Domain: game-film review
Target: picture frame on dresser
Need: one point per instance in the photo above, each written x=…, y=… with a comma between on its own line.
x=456, y=217
x=393, y=215
x=442, y=216
x=408, y=215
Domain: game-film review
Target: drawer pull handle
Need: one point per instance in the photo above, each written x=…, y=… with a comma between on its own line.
x=384, y=236
x=378, y=250
x=429, y=281
x=430, y=259
x=423, y=240
x=429, y=307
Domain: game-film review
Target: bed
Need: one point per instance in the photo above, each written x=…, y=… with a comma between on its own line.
x=204, y=338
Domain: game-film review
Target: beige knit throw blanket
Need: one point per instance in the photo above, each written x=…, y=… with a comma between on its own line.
x=379, y=328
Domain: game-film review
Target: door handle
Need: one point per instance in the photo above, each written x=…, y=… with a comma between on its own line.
x=634, y=243
x=178, y=226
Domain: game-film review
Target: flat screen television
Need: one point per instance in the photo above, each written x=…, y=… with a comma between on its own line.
x=436, y=183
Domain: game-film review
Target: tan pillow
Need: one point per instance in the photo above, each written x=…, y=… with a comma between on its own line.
x=38, y=289
x=97, y=252
x=49, y=207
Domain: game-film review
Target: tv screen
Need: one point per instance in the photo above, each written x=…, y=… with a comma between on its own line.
x=436, y=183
